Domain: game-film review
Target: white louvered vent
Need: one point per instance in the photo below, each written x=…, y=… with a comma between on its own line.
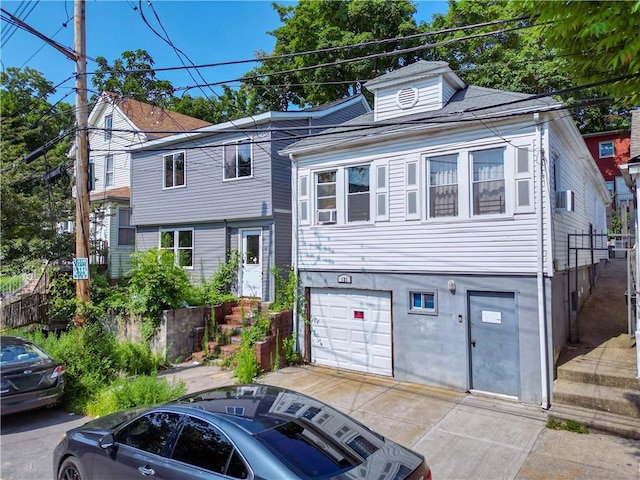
x=407, y=97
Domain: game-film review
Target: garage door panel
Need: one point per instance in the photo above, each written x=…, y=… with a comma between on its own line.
x=351, y=329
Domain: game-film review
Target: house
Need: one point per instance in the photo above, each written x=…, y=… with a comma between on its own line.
x=610, y=150
x=432, y=236
x=223, y=188
x=115, y=123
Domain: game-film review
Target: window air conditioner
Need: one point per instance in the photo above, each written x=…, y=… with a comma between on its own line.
x=565, y=200
x=327, y=216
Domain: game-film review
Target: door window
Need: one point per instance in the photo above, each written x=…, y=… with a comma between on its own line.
x=202, y=445
x=252, y=250
x=150, y=432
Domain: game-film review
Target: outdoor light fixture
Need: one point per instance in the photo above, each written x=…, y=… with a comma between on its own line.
x=452, y=286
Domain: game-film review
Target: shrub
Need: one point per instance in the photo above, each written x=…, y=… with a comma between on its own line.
x=138, y=392
x=220, y=287
x=286, y=290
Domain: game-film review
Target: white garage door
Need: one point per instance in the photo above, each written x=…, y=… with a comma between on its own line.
x=351, y=329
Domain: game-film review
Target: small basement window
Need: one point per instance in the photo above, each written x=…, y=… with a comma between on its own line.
x=423, y=302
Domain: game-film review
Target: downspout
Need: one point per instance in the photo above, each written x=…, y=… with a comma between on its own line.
x=542, y=302
x=294, y=243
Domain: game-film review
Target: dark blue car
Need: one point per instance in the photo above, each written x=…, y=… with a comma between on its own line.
x=30, y=377
x=240, y=431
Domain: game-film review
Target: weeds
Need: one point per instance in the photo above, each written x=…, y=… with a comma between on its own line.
x=568, y=425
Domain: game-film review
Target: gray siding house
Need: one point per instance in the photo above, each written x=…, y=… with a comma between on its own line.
x=432, y=245
x=222, y=188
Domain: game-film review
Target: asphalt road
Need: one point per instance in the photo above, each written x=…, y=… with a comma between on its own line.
x=27, y=441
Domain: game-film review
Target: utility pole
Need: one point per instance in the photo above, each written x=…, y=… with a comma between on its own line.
x=81, y=261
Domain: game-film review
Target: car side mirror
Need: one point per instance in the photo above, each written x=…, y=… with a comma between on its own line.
x=106, y=441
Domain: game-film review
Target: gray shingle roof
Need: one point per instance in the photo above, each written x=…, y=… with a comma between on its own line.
x=468, y=104
x=416, y=69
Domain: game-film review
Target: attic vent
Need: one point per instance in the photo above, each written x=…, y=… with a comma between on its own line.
x=407, y=97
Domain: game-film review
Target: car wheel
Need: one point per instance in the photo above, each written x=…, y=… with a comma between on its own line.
x=71, y=469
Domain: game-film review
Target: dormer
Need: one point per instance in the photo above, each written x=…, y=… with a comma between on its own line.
x=421, y=87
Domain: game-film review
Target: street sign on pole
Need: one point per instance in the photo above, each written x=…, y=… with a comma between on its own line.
x=80, y=268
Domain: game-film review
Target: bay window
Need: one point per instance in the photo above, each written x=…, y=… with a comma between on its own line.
x=488, y=190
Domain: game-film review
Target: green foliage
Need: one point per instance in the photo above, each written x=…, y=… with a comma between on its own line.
x=93, y=359
x=568, y=425
x=220, y=287
x=288, y=348
x=247, y=368
x=137, y=392
x=156, y=284
x=286, y=290
x=318, y=24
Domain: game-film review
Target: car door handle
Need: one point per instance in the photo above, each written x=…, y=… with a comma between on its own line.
x=146, y=470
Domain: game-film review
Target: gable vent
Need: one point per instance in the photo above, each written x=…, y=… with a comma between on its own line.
x=407, y=97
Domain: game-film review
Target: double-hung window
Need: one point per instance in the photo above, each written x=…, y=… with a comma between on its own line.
x=180, y=242
x=109, y=174
x=326, y=197
x=488, y=182
x=237, y=160
x=108, y=126
x=174, y=170
x=443, y=186
x=358, y=201
x=126, y=233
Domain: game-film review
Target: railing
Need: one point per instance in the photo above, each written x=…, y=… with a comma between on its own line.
x=99, y=252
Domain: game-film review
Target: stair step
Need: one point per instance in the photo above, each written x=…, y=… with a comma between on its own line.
x=230, y=329
x=228, y=350
x=620, y=401
x=599, y=421
x=234, y=320
x=612, y=370
x=236, y=340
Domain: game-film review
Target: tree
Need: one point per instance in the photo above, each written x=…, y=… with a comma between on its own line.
x=31, y=206
x=133, y=76
x=316, y=24
x=599, y=40
x=232, y=104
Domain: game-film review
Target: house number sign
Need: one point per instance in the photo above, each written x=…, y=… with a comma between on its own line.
x=344, y=279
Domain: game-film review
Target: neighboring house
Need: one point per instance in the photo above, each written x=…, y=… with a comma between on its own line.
x=224, y=188
x=116, y=123
x=610, y=150
x=433, y=246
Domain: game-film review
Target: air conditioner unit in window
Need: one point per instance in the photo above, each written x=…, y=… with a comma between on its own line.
x=326, y=217
x=565, y=200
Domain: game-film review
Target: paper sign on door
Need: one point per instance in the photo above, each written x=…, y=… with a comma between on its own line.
x=491, y=317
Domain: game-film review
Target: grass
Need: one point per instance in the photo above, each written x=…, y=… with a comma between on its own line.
x=568, y=425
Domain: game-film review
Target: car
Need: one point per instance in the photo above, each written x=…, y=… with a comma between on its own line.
x=250, y=431
x=30, y=377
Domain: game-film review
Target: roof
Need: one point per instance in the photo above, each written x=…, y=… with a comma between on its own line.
x=155, y=121
x=469, y=104
x=122, y=193
x=413, y=72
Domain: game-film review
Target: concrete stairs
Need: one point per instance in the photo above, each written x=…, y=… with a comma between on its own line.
x=598, y=388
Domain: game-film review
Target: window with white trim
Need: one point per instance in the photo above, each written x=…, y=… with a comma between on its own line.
x=423, y=302
x=382, y=192
x=303, y=199
x=412, y=191
x=326, y=205
x=108, y=127
x=109, y=174
x=180, y=242
x=126, y=232
x=443, y=198
x=174, y=170
x=605, y=149
x=358, y=197
x=524, y=181
x=237, y=159
x=488, y=182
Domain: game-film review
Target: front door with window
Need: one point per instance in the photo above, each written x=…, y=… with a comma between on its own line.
x=251, y=263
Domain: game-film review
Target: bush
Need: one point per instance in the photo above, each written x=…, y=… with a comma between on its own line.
x=220, y=287
x=138, y=392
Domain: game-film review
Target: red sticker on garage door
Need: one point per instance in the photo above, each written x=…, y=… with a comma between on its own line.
x=358, y=315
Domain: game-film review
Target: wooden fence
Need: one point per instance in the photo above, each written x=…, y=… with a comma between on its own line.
x=28, y=310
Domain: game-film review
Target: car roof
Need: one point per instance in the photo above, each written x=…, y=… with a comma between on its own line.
x=13, y=340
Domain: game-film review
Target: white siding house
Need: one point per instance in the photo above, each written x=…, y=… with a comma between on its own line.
x=115, y=124
x=428, y=244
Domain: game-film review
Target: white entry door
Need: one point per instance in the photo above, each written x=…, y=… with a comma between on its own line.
x=351, y=329
x=251, y=263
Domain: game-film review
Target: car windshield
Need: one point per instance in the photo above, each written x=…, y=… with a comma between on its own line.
x=305, y=453
x=16, y=353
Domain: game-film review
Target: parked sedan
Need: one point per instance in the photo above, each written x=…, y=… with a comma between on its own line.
x=240, y=431
x=30, y=377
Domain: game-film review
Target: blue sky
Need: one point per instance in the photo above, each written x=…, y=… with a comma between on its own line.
x=207, y=31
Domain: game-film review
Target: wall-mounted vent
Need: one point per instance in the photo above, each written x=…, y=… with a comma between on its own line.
x=407, y=97
x=327, y=216
x=565, y=200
